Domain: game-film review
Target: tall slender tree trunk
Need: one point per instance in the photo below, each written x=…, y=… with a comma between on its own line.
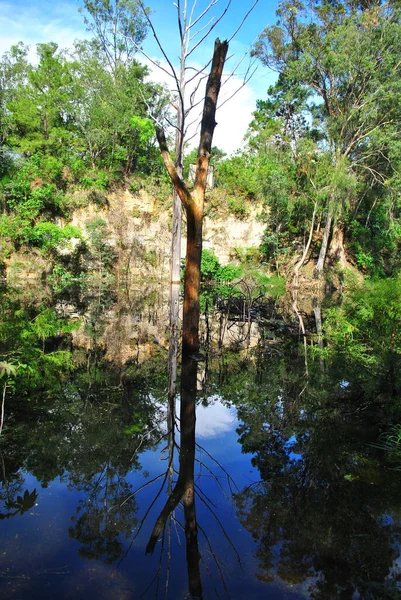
x=175, y=265
x=325, y=243
x=191, y=309
x=194, y=201
x=176, y=239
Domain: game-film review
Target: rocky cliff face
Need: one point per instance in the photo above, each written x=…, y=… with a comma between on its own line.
x=140, y=231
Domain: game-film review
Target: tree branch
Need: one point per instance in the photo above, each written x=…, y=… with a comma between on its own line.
x=210, y=29
x=178, y=183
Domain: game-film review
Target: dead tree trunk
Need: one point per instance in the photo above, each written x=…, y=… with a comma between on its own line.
x=194, y=201
x=184, y=489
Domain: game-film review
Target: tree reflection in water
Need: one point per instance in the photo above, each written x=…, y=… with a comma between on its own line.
x=105, y=516
x=185, y=491
x=324, y=513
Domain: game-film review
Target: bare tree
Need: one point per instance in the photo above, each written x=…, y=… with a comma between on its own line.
x=194, y=28
x=193, y=201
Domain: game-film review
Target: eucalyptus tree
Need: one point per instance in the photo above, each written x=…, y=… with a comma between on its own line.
x=14, y=67
x=110, y=116
x=337, y=65
x=39, y=103
x=118, y=27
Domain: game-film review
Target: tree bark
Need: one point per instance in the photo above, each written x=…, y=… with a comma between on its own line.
x=190, y=337
x=325, y=243
x=336, y=250
x=191, y=309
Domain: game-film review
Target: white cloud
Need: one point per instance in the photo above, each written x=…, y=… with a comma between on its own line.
x=35, y=23
x=234, y=116
x=214, y=420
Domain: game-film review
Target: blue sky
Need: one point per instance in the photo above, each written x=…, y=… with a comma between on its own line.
x=35, y=21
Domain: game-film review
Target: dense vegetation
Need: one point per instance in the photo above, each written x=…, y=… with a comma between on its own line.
x=83, y=357
x=321, y=158
x=321, y=154
x=323, y=148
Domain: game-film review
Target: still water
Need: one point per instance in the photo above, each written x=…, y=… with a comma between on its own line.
x=295, y=495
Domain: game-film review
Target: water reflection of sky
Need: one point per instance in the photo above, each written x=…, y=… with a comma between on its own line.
x=215, y=419
x=40, y=559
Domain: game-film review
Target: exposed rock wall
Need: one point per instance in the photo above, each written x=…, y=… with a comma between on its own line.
x=140, y=231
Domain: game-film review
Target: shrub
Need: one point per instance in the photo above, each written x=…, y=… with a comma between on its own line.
x=238, y=206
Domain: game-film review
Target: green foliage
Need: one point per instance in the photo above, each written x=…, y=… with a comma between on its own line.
x=211, y=270
x=228, y=273
x=191, y=158
x=114, y=132
x=392, y=441
x=119, y=43
x=364, y=332
x=338, y=150
x=209, y=265
x=150, y=257
x=24, y=333
x=49, y=236
x=217, y=279
x=95, y=179
x=86, y=111
x=238, y=207
x=31, y=202
x=248, y=256
x=7, y=370
x=60, y=279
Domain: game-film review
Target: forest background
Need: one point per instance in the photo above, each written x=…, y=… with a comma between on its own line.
x=321, y=153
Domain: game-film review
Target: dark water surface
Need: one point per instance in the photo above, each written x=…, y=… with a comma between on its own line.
x=295, y=496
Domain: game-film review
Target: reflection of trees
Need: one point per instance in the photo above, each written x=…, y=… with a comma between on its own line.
x=184, y=489
x=318, y=511
x=179, y=512
x=92, y=446
x=14, y=500
x=107, y=514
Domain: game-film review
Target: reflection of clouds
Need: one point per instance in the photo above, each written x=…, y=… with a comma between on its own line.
x=211, y=421
x=215, y=419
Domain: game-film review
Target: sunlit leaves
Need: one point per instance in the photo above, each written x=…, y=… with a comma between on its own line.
x=7, y=369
